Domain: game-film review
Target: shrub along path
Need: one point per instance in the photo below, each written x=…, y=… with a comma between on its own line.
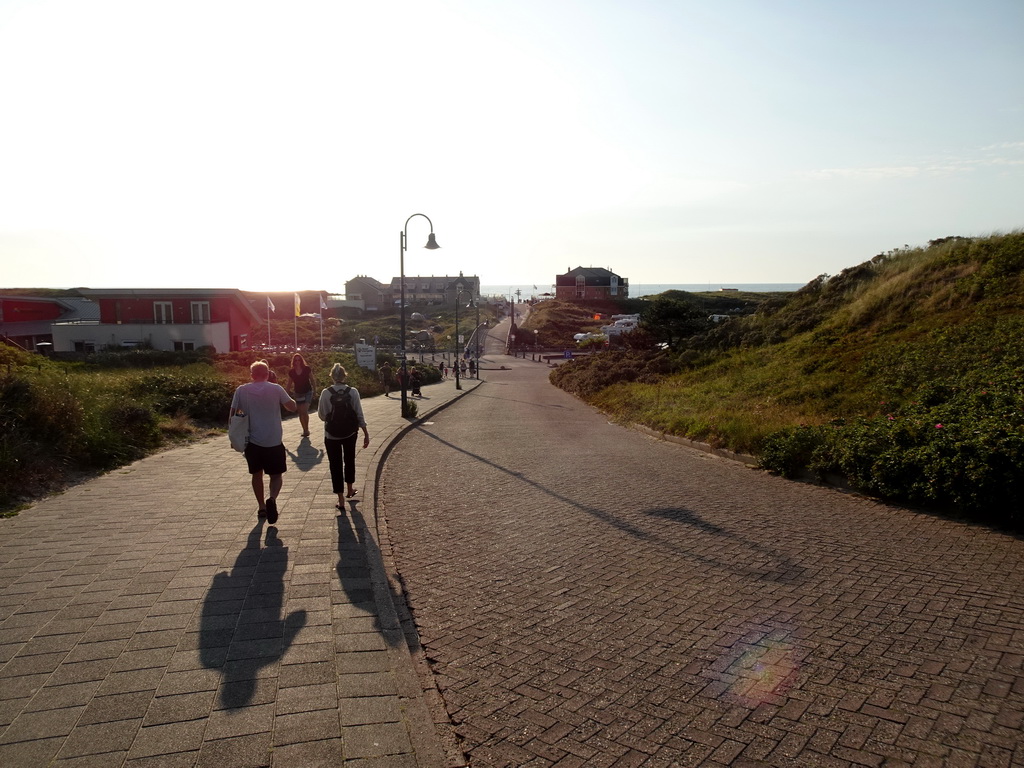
x=148, y=618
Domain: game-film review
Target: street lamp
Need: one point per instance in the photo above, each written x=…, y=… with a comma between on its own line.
x=476, y=333
x=458, y=355
x=431, y=245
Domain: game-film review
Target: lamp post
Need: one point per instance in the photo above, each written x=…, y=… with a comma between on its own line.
x=476, y=333
x=512, y=328
x=431, y=245
x=458, y=355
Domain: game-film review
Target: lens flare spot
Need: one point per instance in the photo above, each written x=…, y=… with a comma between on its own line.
x=762, y=673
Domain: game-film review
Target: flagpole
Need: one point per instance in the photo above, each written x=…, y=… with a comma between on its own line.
x=296, y=321
x=321, y=322
x=268, y=321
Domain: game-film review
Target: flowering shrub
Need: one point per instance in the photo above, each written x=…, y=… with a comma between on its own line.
x=965, y=453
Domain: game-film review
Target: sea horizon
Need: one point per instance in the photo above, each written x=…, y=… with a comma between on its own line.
x=638, y=290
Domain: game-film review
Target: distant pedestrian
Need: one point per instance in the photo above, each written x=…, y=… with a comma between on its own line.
x=417, y=379
x=301, y=377
x=271, y=377
x=386, y=378
x=341, y=410
x=264, y=453
x=472, y=368
x=440, y=369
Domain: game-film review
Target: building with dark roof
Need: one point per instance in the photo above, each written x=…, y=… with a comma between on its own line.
x=590, y=283
x=26, y=321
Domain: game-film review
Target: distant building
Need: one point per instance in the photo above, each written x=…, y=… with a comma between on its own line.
x=442, y=290
x=160, y=318
x=366, y=293
x=26, y=321
x=590, y=283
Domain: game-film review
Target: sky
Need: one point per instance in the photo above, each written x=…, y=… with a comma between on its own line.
x=285, y=145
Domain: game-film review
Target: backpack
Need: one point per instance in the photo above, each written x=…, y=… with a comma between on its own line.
x=341, y=421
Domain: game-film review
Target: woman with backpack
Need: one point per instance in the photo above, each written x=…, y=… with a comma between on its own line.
x=341, y=411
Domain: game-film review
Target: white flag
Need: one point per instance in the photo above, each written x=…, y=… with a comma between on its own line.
x=270, y=305
x=323, y=304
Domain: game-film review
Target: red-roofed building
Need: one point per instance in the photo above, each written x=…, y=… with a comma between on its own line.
x=26, y=321
x=590, y=283
x=161, y=318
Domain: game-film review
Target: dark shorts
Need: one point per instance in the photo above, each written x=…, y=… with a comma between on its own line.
x=270, y=460
x=306, y=398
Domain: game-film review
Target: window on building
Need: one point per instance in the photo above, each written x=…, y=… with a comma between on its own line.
x=581, y=287
x=615, y=285
x=200, y=312
x=163, y=312
x=184, y=346
x=85, y=346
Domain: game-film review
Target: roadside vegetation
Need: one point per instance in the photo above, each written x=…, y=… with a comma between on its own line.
x=902, y=377
x=430, y=328
x=61, y=420
x=552, y=324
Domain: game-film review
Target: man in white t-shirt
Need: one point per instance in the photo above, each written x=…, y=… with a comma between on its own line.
x=262, y=400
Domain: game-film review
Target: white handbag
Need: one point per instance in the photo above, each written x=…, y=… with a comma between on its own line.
x=238, y=426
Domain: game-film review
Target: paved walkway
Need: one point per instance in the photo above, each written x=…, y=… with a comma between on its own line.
x=590, y=597
x=147, y=618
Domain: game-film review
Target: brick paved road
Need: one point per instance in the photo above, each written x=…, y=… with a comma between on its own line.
x=587, y=595
x=147, y=619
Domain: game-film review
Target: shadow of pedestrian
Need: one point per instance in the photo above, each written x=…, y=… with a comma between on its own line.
x=353, y=570
x=241, y=627
x=355, y=547
x=305, y=457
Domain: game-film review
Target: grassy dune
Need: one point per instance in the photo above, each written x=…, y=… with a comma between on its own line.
x=904, y=376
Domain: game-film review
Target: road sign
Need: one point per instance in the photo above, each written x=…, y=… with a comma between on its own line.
x=366, y=356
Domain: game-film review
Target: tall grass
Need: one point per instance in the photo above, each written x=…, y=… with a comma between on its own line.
x=56, y=421
x=903, y=375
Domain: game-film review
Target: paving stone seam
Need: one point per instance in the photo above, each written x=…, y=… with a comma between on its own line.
x=431, y=729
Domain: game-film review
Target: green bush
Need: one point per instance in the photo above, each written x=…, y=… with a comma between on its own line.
x=197, y=391
x=587, y=376
x=964, y=454
x=116, y=433
x=790, y=451
x=53, y=422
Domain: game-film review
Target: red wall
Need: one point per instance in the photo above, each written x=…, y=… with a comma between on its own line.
x=136, y=309
x=140, y=310
x=15, y=311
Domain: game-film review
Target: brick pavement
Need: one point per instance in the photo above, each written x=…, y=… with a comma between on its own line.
x=148, y=619
x=587, y=595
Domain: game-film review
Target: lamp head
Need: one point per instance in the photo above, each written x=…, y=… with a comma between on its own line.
x=431, y=243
